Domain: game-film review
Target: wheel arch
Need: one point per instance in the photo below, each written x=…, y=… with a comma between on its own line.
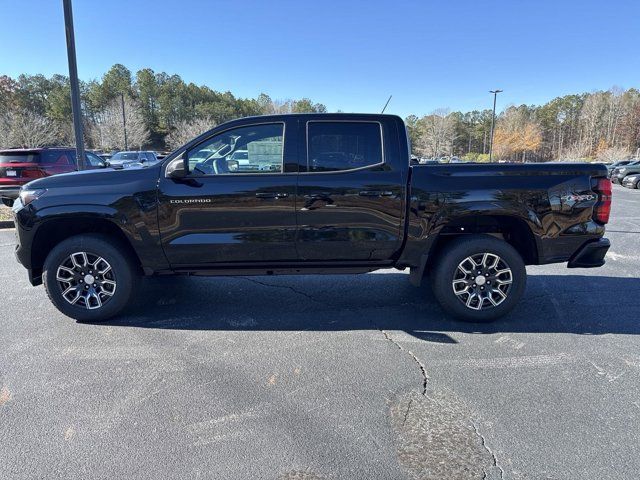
x=513, y=230
x=56, y=230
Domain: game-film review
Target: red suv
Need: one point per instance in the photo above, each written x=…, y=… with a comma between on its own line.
x=19, y=166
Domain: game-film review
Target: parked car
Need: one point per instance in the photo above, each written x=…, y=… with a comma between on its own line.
x=131, y=158
x=620, y=172
x=620, y=163
x=631, y=181
x=240, y=156
x=338, y=196
x=20, y=166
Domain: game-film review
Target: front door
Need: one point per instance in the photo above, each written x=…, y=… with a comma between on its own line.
x=236, y=203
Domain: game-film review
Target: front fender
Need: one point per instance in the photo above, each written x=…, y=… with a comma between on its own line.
x=135, y=226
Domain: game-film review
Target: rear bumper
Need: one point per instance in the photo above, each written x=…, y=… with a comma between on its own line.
x=590, y=255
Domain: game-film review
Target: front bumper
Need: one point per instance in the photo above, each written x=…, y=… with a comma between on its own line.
x=590, y=255
x=11, y=192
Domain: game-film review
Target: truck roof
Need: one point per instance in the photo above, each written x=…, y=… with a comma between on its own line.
x=339, y=115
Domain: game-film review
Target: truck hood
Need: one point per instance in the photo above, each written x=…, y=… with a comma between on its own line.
x=95, y=178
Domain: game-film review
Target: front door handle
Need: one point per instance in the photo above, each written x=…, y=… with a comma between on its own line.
x=376, y=193
x=272, y=195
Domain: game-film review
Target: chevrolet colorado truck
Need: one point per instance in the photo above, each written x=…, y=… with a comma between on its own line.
x=315, y=194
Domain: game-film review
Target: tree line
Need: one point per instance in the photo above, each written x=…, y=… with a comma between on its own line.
x=163, y=112
x=602, y=125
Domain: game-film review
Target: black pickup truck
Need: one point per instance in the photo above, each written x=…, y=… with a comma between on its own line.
x=309, y=194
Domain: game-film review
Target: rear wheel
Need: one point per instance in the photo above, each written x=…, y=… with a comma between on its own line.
x=478, y=278
x=88, y=278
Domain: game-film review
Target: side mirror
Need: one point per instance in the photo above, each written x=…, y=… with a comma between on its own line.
x=176, y=168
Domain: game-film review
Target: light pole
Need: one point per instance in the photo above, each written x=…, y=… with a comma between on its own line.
x=493, y=121
x=124, y=122
x=76, y=109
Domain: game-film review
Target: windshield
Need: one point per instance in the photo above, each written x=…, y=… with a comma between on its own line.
x=125, y=156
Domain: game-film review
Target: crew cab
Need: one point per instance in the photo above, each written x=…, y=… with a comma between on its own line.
x=317, y=194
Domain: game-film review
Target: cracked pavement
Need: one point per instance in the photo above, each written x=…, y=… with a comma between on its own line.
x=328, y=377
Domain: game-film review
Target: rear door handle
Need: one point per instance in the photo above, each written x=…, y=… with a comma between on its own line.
x=271, y=195
x=376, y=193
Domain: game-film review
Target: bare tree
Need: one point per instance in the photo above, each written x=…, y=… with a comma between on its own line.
x=591, y=117
x=613, y=154
x=279, y=107
x=27, y=129
x=436, y=133
x=108, y=129
x=5, y=130
x=616, y=109
x=185, y=131
x=575, y=153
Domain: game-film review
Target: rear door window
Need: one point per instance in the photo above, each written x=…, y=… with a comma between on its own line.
x=335, y=146
x=58, y=157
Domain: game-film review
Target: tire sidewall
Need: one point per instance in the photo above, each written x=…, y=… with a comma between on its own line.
x=456, y=252
x=97, y=245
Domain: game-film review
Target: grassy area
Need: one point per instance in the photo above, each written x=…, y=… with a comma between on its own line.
x=5, y=213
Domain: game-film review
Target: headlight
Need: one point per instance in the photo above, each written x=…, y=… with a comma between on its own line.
x=28, y=196
x=622, y=170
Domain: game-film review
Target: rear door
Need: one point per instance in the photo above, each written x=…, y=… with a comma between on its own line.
x=350, y=191
x=54, y=161
x=226, y=213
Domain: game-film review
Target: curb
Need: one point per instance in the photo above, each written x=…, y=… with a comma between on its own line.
x=6, y=224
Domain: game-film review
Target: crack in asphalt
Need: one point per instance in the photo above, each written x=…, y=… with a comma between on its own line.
x=253, y=280
x=486, y=447
x=423, y=373
x=407, y=412
x=423, y=369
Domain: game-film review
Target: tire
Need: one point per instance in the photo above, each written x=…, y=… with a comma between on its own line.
x=114, y=277
x=475, y=301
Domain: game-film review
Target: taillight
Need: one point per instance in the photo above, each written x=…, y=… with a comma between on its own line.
x=602, y=209
x=33, y=173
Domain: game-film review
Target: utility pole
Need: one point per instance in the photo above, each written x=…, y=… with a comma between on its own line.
x=124, y=122
x=76, y=108
x=493, y=122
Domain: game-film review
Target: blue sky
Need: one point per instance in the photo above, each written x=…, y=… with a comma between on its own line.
x=349, y=55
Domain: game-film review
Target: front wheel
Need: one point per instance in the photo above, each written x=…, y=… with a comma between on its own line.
x=88, y=278
x=478, y=278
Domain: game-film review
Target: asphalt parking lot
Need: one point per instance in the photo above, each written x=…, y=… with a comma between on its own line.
x=343, y=377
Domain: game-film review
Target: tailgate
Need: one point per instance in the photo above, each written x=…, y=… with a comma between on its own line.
x=15, y=170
